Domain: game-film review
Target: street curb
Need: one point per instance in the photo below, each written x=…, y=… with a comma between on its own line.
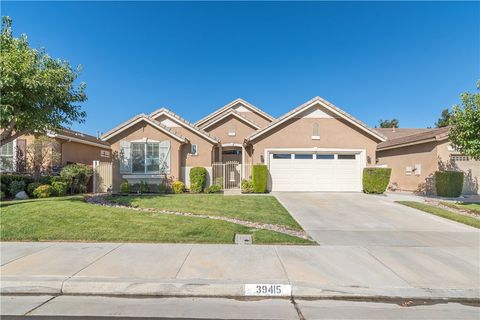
x=230, y=289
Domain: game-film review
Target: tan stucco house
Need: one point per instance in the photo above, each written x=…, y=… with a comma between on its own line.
x=314, y=147
x=415, y=154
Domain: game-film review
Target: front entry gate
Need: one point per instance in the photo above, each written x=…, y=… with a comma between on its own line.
x=227, y=174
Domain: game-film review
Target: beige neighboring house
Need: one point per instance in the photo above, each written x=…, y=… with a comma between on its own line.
x=315, y=147
x=415, y=154
x=70, y=146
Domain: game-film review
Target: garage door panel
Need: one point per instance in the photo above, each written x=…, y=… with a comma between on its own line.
x=315, y=174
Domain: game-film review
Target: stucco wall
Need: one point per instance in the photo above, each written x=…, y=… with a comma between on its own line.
x=220, y=130
x=140, y=131
x=297, y=133
x=255, y=117
x=398, y=159
x=81, y=153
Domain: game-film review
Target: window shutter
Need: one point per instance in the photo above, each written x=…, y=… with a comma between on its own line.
x=164, y=156
x=125, y=156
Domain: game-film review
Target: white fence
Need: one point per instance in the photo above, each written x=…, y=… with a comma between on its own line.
x=230, y=174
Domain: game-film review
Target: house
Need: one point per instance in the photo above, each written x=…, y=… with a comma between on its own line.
x=315, y=147
x=415, y=154
x=63, y=147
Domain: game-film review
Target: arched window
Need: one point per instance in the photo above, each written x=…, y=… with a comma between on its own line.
x=315, y=131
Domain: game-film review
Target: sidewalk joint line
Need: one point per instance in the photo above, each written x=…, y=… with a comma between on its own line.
x=40, y=305
x=184, y=260
x=88, y=265
x=283, y=266
x=30, y=254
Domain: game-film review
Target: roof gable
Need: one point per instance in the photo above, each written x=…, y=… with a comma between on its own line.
x=239, y=105
x=303, y=110
x=234, y=113
x=137, y=119
x=181, y=121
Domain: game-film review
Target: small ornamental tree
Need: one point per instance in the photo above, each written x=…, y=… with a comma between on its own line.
x=389, y=123
x=38, y=92
x=465, y=122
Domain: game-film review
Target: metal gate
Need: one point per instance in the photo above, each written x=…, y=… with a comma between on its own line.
x=228, y=174
x=102, y=176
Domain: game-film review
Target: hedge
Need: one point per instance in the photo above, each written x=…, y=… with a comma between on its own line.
x=449, y=183
x=375, y=180
x=6, y=180
x=259, y=178
x=178, y=187
x=198, y=179
x=44, y=191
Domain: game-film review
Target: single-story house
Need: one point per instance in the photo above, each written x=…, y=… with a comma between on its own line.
x=415, y=154
x=68, y=146
x=315, y=147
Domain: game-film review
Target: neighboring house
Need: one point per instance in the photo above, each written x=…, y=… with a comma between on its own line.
x=315, y=147
x=69, y=147
x=415, y=154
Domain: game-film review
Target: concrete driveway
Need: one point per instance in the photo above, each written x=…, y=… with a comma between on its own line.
x=357, y=219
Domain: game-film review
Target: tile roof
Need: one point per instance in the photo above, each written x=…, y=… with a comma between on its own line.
x=231, y=111
x=394, y=133
x=423, y=136
x=83, y=137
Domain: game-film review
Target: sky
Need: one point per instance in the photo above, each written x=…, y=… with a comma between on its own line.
x=375, y=60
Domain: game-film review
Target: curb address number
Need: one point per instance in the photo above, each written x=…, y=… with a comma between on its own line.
x=268, y=289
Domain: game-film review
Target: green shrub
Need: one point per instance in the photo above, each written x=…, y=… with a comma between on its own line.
x=43, y=191
x=247, y=186
x=46, y=179
x=31, y=187
x=60, y=188
x=125, y=187
x=76, y=176
x=142, y=187
x=163, y=187
x=219, y=181
x=178, y=187
x=214, y=188
x=16, y=186
x=259, y=178
x=375, y=180
x=6, y=180
x=2, y=195
x=198, y=179
x=449, y=183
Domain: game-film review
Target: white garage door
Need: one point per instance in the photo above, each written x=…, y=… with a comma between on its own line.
x=315, y=172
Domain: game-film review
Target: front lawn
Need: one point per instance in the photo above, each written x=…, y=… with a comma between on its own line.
x=70, y=218
x=443, y=213
x=470, y=207
x=264, y=209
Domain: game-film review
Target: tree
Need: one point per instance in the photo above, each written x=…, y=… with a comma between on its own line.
x=389, y=123
x=444, y=119
x=465, y=122
x=42, y=155
x=38, y=93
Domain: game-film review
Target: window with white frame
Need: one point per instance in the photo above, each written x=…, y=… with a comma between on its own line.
x=6, y=157
x=145, y=157
x=231, y=130
x=194, y=149
x=315, y=131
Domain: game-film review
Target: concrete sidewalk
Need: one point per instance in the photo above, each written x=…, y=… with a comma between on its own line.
x=223, y=270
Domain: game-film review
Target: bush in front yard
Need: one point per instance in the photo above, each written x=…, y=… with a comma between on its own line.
x=31, y=187
x=198, y=179
x=60, y=188
x=2, y=195
x=76, y=176
x=6, y=180
x=375, y=180
x=247, y=186
x=16, y=186
x=259, y=178
x=214, y=188
x=141, y=187
x=178, y=187
x=43, y=191
x=449, y=183
x=125, y=187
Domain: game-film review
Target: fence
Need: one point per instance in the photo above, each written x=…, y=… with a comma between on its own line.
x=230, y=174
x=102, y=176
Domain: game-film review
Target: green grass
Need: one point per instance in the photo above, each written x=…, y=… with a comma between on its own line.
x=470, y=207
x=443, y=213
x=265, y=209
x=70, y=218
